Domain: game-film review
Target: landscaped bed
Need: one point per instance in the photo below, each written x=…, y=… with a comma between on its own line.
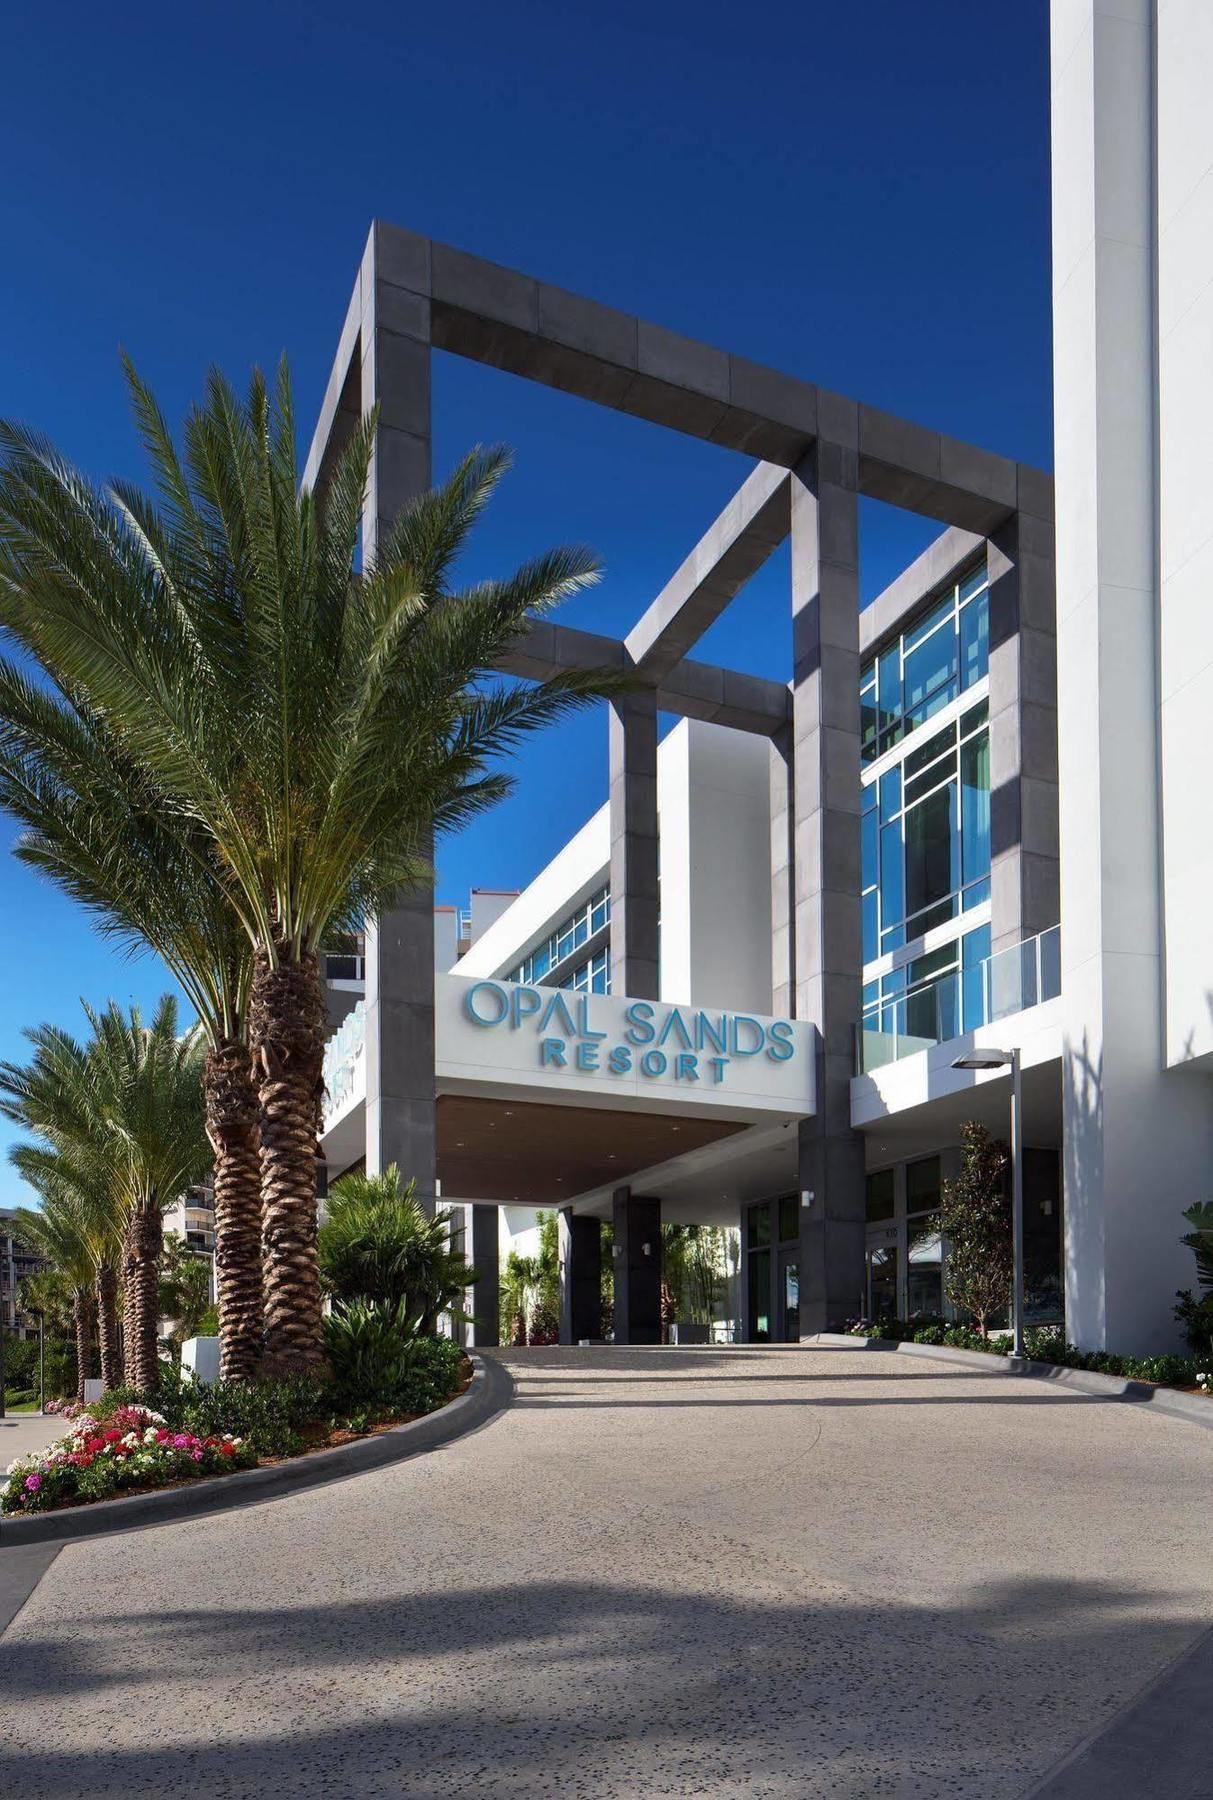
x=182, y=1432
x=1044, y=1345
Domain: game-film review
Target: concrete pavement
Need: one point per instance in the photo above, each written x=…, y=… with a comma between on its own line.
x=783, y=1573
x=23, y=1433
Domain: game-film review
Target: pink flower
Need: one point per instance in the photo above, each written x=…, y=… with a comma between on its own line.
x=197, y=1455
x=181, y=1441
x=33, y=1483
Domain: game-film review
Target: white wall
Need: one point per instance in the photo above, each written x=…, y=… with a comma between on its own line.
x=572, y=875
x=1138, y=1141
x=446, y=937
x=714, y=803
x=1185, y=401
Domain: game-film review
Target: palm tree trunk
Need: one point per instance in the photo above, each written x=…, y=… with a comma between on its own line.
x=84, y=1309
x=107, y=1325
x=141, y=1277
x=287, y=1030
x=233, y=1115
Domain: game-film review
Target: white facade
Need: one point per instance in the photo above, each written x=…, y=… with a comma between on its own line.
x=713, y=804
x=1133, y=354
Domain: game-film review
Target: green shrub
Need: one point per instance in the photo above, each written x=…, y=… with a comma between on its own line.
x=1196, y=1317
x=378, y=1244
x=367, y=1343
x=378, y=1366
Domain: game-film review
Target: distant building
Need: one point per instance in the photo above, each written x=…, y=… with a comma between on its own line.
x=17, y=1260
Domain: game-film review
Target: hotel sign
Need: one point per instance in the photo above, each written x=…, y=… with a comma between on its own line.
x=554, y=1038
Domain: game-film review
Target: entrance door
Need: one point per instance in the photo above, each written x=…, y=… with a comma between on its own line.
x=883, y=1272
x=759, y=1273
x=789, y=1295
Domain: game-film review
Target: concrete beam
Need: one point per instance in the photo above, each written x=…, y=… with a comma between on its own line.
x=752, y=525
x=693, y=690
x=937, y=567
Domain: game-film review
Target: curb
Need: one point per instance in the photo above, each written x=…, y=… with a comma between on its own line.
x=487, y=1394
x=1191, y=1407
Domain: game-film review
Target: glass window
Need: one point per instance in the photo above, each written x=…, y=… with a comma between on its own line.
x=869, y=725
x=922, y=1184
x=975, y=807
x=892, y=887
x=943, y=652
x=888, y=683
x=789, y=1219
x=890, y=795
x=758, y=1225
x=921, y=758
x=882, y=1281
x=870, y=926
x=973, y=583
x=591, y=916
x=930, y=675
x=924, y=1266
x=880, y=1194
x=975, y=948
x=941, y=771
x=869, y=855
x=930, y=854
x=759, y=1274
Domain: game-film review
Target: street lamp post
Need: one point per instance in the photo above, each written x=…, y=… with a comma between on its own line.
x=1001, y=1059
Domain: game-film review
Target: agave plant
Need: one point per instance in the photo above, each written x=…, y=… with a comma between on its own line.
x=127, y=1107
x=315, y=724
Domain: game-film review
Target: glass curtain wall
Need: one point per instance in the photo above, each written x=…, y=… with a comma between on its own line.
x=925, y=819
x=593, y=975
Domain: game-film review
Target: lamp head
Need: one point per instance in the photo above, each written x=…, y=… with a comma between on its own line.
x=984, y=1059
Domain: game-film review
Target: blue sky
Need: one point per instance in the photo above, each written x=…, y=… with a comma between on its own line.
x=857, y=194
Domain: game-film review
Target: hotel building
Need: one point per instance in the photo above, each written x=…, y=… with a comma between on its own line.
x=973, y=818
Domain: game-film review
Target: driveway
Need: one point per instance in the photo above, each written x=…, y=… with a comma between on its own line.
x=787, y=1572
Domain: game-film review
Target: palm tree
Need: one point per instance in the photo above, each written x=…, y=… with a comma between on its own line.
x=318, y=725
x=150, y=878
x=75, y=1188
x=61, y=1233
x=127, y=1107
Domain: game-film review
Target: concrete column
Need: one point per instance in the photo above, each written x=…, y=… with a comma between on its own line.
x=637, y=1228
x=580, y=1277
x=484, y=1256
x=394, y=350
x=783, y=878
x=1138, y=1137
x=825, y=834
x=1024, y=879
x=634, y=862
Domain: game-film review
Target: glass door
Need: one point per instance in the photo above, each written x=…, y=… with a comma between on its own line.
x=883, y=1272
x=789, y=1295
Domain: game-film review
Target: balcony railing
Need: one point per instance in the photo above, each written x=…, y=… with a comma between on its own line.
x=343, y=1069
x=1023, y=975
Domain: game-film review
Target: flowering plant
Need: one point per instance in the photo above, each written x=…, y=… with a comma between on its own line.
x=132, y=1449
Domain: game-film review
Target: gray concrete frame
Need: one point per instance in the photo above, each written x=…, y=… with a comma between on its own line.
x=819, y=452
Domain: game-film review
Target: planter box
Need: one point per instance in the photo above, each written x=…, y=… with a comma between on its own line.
x=686, y=1333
